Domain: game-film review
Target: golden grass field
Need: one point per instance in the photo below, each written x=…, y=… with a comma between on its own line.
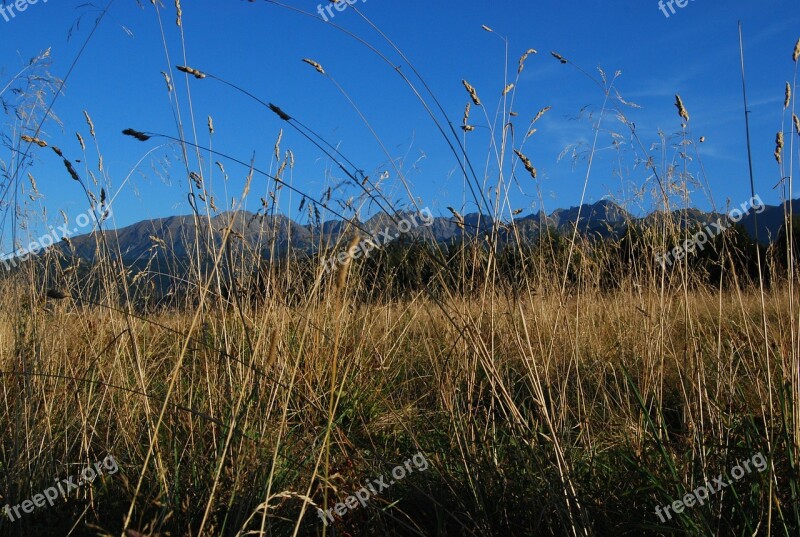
x=539, y=415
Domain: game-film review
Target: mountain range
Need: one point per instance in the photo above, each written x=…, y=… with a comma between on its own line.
x=175, y=234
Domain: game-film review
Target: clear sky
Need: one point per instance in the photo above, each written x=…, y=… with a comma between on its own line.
x=259, y=46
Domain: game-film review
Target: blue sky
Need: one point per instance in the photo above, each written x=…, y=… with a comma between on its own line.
x=259, y=46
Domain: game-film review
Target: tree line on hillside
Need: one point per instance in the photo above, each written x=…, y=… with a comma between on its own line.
x=410, y=266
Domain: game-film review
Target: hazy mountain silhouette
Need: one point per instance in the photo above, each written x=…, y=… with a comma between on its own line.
x=277, y=233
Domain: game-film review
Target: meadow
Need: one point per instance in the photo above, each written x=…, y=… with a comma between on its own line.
x=563, y=384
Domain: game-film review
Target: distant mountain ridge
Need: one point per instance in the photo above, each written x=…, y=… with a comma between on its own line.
x=175, y=234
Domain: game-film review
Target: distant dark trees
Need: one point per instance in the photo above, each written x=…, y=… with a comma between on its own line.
x=465, y=267
x=782, y=247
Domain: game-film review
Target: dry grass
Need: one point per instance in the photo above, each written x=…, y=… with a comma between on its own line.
x=570, y=394
x=505, y=407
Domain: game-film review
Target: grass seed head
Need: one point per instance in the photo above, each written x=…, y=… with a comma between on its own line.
x=527, y=163
x=71, y=170
x=281, y=114
x=190, y=71
x=142, y=137
x=33, y=183
x=458, y=217
x=277, y=147
x=472, y=92
x=315, y=65
x=89, y=122
x=523, y=58
x=31, y=140
x=681, y=109
x=540, y=113
x=168, y=81
x=787, y=96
